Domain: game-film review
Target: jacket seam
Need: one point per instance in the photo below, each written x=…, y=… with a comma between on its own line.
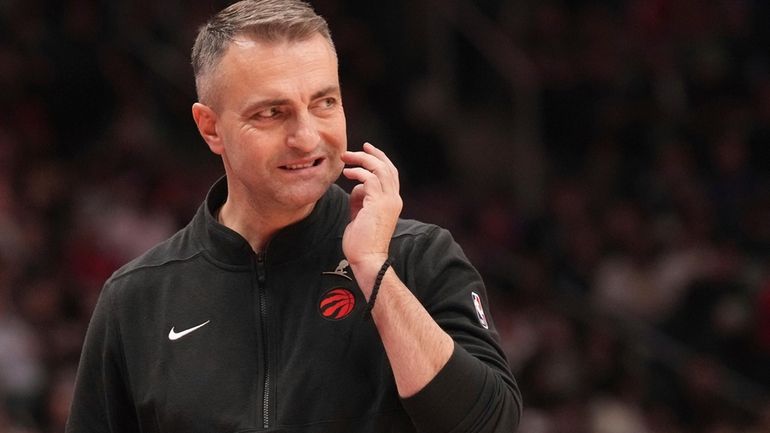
x=142, y=267
x=430, y=230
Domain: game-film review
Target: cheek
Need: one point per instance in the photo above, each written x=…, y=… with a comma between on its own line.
x=343, y=127
x=256, y=146
x=338, y=134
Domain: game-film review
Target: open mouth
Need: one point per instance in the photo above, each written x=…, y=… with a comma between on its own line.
x=308, y=164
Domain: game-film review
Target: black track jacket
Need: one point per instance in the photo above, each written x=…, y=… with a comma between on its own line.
x=201, y=334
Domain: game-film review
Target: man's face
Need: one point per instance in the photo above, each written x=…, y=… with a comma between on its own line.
x=280, y=121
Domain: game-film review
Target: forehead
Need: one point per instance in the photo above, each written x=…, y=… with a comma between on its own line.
x=283, y=68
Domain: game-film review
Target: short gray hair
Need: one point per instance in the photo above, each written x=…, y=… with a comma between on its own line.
x=262, y=20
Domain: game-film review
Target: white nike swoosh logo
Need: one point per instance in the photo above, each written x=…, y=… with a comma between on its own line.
x=177, y=335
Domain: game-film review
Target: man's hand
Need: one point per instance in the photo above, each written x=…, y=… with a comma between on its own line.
x=375, y=205
x=416, y=346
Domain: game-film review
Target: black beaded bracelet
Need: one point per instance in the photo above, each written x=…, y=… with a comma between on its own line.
x=376, y=287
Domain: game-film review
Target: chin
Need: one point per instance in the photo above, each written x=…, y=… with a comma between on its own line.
x=306, y=193
x=304, y=196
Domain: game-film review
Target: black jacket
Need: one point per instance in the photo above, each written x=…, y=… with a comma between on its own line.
x=200, y=334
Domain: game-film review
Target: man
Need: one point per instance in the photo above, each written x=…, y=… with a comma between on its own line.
x=287, y=305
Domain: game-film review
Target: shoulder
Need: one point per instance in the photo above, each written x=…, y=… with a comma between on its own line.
x=181, y=247
x=406, y=228
x=418, y=241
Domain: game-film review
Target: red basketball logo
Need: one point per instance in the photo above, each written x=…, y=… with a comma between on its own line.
x=337, y=303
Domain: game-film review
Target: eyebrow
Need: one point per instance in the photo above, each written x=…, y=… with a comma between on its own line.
x=333, y=89
x=326, y=91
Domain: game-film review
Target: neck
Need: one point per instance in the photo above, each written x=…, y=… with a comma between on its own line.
x=258, y=226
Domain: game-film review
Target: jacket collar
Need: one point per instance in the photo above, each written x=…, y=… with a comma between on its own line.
x=327, y=219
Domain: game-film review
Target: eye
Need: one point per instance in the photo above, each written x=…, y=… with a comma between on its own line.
x=328, y=102
x=268, y=113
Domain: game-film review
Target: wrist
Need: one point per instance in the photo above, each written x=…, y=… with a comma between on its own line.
x=376, y=286
x=365, y=271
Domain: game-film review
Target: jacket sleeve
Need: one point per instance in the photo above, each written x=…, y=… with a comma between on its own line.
x=475, y=391
x=101, y=401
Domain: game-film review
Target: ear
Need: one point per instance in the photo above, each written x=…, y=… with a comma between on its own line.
x=206, y=119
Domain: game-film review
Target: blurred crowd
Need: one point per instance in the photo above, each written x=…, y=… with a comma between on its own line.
x=605, y=164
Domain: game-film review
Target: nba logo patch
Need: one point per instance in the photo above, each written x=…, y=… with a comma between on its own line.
x=479, y=310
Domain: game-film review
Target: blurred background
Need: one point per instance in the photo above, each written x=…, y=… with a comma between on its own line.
x=605, y=164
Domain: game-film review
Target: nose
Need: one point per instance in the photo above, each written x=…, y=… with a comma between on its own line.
x=304, y=134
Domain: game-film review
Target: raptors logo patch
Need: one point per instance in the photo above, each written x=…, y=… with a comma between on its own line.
x=336, y=304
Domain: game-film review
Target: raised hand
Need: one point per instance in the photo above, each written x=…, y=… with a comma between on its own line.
x=375, y=205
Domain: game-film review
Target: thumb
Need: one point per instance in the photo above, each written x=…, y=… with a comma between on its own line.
x=356, y=200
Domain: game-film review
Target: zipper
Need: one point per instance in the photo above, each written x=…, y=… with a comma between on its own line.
x=265, y=354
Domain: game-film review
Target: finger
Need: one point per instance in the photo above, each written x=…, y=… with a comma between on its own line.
x=370, y=149
x=370, y=182
x=362, y=158
x=374, y=165
x=357, y=194
x=379, y=154
x=367, y=161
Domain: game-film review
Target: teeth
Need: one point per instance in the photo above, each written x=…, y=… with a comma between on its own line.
x=298, y=166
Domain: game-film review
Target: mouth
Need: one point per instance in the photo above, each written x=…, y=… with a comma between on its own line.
x=302, y=165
